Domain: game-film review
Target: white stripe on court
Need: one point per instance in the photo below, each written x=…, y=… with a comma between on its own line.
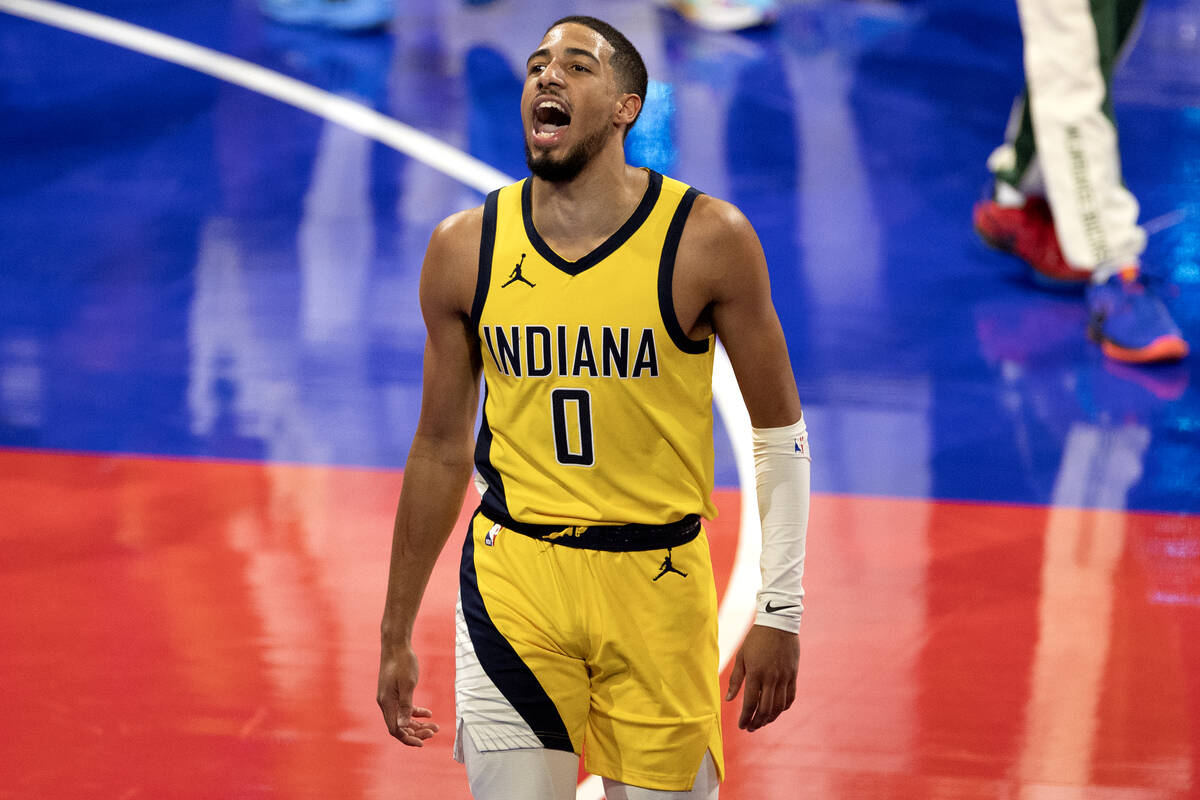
x=737, y=605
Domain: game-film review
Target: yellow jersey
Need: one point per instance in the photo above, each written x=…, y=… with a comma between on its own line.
x=597, y=406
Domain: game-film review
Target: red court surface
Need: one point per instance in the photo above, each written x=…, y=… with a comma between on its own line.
x=194, y=629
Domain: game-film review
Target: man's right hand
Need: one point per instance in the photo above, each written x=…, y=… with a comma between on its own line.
x=397, y=680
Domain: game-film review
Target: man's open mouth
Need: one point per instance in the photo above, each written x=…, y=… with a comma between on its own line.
x=550, y=117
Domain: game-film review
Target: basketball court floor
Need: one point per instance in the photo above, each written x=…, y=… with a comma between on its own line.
x=210, y=354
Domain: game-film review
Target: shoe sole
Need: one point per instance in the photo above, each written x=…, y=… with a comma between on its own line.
x=1162, y=349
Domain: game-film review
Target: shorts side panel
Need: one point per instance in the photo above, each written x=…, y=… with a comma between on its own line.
x=510, y=598
x=478, y=702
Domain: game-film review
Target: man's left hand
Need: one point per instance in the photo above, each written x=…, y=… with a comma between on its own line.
x=767, y=661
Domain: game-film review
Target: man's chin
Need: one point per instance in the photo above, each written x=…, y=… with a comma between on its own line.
x=555, y=168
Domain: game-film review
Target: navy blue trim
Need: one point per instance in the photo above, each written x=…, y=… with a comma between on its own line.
x=483, y=442
x=493, y=498
x=608, y=246
x=487, y=243
x=666, y=273
x=501, y=662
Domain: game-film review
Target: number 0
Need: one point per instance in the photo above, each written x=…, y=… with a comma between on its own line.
x=572, y=449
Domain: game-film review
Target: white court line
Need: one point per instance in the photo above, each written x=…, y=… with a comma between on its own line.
x=737, y=605
x=355, y=116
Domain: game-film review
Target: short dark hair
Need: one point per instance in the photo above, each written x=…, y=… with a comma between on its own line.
x=626, y=60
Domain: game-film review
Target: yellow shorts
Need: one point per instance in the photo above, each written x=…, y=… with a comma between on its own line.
x=609, y=654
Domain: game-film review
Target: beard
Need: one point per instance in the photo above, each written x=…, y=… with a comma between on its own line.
x=570, y=165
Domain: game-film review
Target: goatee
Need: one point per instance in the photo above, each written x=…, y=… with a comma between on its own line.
x=556, y=171
x=541, y=165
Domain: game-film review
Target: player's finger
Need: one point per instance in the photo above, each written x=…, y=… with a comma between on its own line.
x=735, y=678
x=403, y=720
x=764, y=712
x=414, y=733
x=410, y=739
x=779, y=701
x=750, y=700
x=415, y=736
x=413, y=730
x=420, y=727
x=389, y=704
x=791, y=692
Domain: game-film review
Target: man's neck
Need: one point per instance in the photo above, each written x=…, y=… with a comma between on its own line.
x=579, y=214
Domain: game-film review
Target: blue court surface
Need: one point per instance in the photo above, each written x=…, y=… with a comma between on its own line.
x=192, y=269
x=195, y=273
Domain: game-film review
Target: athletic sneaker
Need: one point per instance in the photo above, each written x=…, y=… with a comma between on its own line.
x=350, y=16
x=726, y=15
x=1027, y=232
x=1130, y=322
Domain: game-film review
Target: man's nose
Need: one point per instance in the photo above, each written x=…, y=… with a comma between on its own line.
x=552, y=75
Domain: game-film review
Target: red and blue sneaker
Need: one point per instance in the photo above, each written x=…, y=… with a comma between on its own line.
x=1027, y=232
x=1130, y=322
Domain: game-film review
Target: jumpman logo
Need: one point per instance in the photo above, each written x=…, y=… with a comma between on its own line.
x=667, y=566
x=516, y=275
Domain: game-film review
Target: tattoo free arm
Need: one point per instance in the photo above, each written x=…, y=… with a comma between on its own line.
x=735, y=290
x=438, y=468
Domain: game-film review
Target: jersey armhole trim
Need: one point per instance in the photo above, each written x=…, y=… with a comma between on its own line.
x=487, y=243
x=666, y=274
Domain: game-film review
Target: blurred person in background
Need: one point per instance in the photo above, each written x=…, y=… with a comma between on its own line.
x=1058, y=200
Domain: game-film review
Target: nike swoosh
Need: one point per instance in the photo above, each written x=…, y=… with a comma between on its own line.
x=772, y=609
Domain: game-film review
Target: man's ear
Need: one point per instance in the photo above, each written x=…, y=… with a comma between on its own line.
x=628, y=108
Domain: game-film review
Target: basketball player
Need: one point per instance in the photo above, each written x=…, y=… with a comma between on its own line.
x=589, y=296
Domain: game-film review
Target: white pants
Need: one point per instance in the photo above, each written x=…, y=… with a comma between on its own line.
x=1095, y=216
x=540, y=774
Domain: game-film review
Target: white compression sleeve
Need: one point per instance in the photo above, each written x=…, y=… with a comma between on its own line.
x=782, y=466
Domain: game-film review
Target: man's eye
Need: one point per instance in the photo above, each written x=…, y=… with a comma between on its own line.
x=579, y=68
x=535, y=68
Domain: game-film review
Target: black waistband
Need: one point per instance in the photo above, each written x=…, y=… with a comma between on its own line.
x=606, y=537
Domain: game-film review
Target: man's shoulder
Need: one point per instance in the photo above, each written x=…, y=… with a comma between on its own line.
x=709, y=218
x=719, y=251
x=715, y=223
x=456, y=238
x=451, y=259
x=460, y=224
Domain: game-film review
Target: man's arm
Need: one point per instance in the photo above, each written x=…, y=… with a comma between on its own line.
x=438, y=468
x=724, y=287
